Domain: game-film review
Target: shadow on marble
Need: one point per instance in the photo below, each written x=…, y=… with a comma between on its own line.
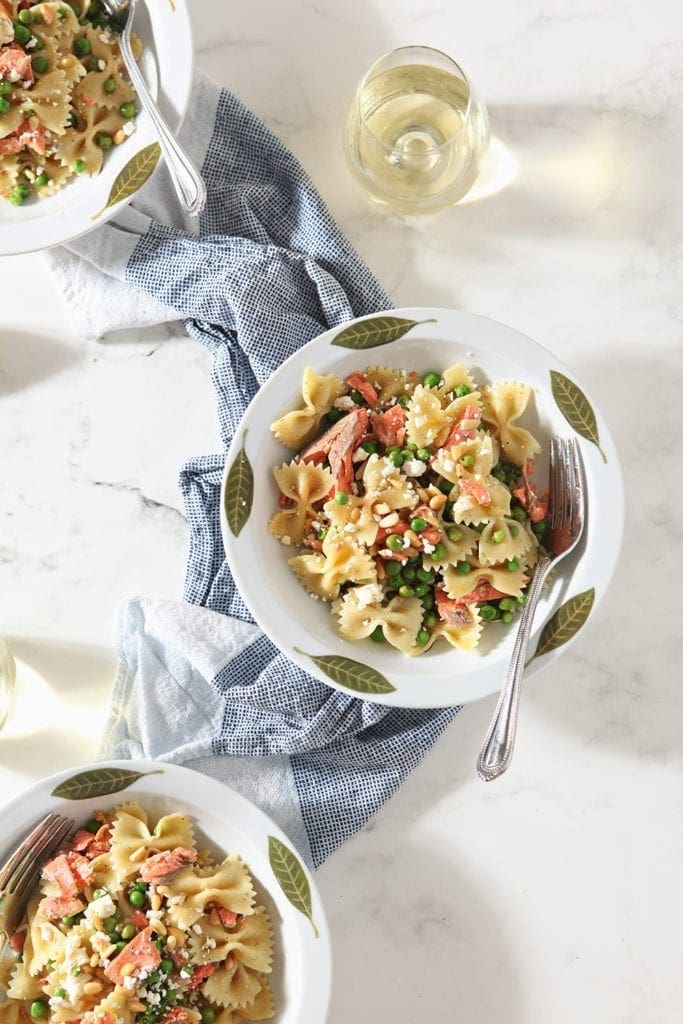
x=619, y=689
x=27, y=359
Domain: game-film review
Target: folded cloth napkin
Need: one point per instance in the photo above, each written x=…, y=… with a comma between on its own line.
x=264, y=271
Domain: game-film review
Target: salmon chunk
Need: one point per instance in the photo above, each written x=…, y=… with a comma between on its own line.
x=15, y=64
x=53, y=909
x=338, y=445
x=390, y=426
x=162, y=867
x=141, y=952
x=70, y=871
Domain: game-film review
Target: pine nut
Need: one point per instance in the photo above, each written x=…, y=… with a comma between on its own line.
x=94, y=960
x=178, y=935
x=438, y=501
x=389, y=520
x=108, y=951
x=97, y=923
x=127, y=969
x=137, y=855
x=164, y=889
x=382, y=508
x=159, y=927
x=354, y=515
x=422, y=494
x=91, y=988
x=119, y=137
x=413, y=538
x=136, y=1006
x=171, y=942
x=155, y=901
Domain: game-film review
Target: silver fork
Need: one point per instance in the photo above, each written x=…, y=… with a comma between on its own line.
x=20, y=872
x=567, y=516
x=187, y=180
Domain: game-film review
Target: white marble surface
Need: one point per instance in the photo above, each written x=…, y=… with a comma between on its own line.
x=553, y=895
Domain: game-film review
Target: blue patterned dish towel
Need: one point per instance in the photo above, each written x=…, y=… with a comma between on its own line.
x=265, y=270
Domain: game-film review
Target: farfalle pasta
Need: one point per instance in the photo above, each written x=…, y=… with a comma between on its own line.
x=64, y=97
x=413, y=506
x=169, y=939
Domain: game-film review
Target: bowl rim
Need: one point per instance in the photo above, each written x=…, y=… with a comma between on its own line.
x=39, y=233
x=533, y=353
x=19, y=814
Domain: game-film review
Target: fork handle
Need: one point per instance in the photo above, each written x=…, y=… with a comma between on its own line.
x=499, y=742
x=186, y=178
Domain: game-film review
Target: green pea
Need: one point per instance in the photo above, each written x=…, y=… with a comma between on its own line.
x=142, y=886
x=27, y=17
x=463, y=568
x=40, y=45
x=519, y=514
x=409, y=573
x=21, y=34
x=512, y=565
x=426, y=575
x=171, y=997
x=41, y=180
x=394, y=542
x=104, y=141
x=521, y=599
x=167, y=966
x=507, y=604
x=499, y=475
x=539, y=528
x=38, y=1009
x=407, y=454
x=78, y=166
x=341, y=497
x=82, y=46
x=334, y=415
x=377, y=635
x=439, y=551
x=406, y=591
x=154, y=976
x=403, y=400
x=488, y=612
x=4, y=105
x=430, y=620
x=514, y=530
x=411, y=446
x=323, y=533
x=136, y=898
x=467, y=460
x=5, y=88
x=69, y=920
x=454, y=533
x=40, y=65
x=128, y=932
x=60, y=993
x=160, y=943
x=506, y=616
x=370, y=447
x=418, y=524
x=109, y=924
x=355, y=395
x=462, y=390
x=479, y=527
x=120, y=945
x=208, y=1015
x=392, y=568
x=448, y=510
x=110, y=85
x=431, y=379
x=393, y=448
x=421, y=589
x=75, y=970
x=445, y=487
x=498, y=537
x=396, y=458
x=422, y=637
x=23, y=190
x=423, y=454
x=99, y=893
x=511, y=469
x=428, y=602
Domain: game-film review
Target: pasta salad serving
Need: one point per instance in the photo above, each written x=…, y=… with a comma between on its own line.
x=412, y=502
x=64, y=97
x=133, y=925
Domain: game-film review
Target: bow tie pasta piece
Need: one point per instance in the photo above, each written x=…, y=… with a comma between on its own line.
x=504, y=539
x=504, y=403
x=58, y=22
x=251, y=941
x=318, y=392
x=384, y=483
x=457, y=547
x=49, y=101
x=390, y=383
x=471, y=457
x=426, y=422
x=44, y=941
x=229, y=885
x=400, y=619
x=359, y=526
x=459, y=587
x=304, y=484
x=130, y=832
x=236, y=987
x=452, y=378
x=479, y=499
x=464, y=632
x=115, y=1006
x=342, y=561
x=11, y=1012
x=22, y=985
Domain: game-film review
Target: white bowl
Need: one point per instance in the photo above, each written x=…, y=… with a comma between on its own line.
x=302, y=628
x=81, y=205
x=226, y=822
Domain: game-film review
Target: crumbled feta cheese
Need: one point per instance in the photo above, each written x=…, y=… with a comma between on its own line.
x=414, y=467
x=406, y=542
x=420, y=421
x=129, y=982
x=197, y=929
x=287, y=540
x=427, y=547
x=448, y=465
x=345, y=403
x=101, y=64
x=175, y=901
x=370, y=593
x=102, y=907
x=128, y=128
x=100, y=941
x=360, y=455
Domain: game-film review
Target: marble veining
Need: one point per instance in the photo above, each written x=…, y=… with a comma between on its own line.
x=551, y=895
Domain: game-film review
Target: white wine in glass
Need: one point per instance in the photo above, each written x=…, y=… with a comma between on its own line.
x=416, y=133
